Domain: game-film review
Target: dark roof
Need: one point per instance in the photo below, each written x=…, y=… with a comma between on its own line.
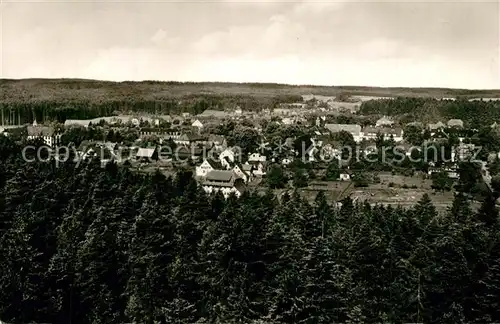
x=215, y=164
x=220, y=175
x=239, y=185
x=382, y=130
x=436, y=125
x=213, y=113
x=351, y=128
x=40, y=131
x=183, y=151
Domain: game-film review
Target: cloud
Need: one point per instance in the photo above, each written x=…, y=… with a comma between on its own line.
x=450, y=43
x=317, y=7
x=159, y=36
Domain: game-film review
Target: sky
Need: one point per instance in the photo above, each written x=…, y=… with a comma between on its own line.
x=368, y=43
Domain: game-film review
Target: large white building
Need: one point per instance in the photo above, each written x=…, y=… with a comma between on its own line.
x=353, y=129
x=370, y=133
x=46, y=133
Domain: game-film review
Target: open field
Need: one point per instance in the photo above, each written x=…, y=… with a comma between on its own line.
x=92, y=91
x=381, y=193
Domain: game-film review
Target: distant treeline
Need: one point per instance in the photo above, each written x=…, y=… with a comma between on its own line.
x=26, y=112
x=473, y=113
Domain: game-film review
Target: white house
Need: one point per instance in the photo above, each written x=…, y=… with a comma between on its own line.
x=328, y=152
x=197, y=123
x=384, y=122
x=354, y=129
x=256, y=157
x=344, y=176
x=370, y=133
x=287, y=121
x=239, y=170
x=188, y=139
x=259, y=168
x=206, y=166
x=227, y=158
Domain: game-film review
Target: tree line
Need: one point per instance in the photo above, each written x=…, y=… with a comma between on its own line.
x=21, y=112
x=94, y=244
x=475, y=113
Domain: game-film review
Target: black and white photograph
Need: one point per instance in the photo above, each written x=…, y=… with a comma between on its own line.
x=249, y=162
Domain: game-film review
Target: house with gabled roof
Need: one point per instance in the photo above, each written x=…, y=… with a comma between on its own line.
x=228, y=157
x=353, y=129
x=207, y=166
x=384, y=122
x=218, y=142
x=77, y=122
x=172, y=134
x=102, y=150
x=210, y=113
x=147, y=154
x=436, y=126
x=370, y=133
x=188, y=139
x=455, y=123
x=46, y=133
x=256, y=157
x=244, y=171
x=415, y=124
x=225, y=182
x=197, y=123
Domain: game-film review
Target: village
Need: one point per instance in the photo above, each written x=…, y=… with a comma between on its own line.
x=294, y=145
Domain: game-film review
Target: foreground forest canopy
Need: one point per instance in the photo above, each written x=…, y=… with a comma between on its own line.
x=60, y=99
x=105, y=245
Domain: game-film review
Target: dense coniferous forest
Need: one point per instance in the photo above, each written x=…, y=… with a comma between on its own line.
x=474, y=113
x=87, y=244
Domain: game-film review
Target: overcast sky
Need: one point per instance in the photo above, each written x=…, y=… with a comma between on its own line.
x=426, y=43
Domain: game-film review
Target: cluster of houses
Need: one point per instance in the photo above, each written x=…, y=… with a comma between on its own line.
x=224, y=170
x=227, y=174
x=383, y=126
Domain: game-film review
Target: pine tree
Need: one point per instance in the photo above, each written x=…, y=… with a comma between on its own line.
x=460, y=210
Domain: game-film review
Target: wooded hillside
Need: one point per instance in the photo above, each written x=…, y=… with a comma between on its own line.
x=104, y=245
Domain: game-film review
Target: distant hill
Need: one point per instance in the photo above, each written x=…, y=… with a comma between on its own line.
x=94, y=91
